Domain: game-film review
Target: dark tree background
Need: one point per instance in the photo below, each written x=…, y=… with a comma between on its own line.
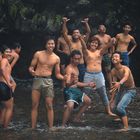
x=29, y=21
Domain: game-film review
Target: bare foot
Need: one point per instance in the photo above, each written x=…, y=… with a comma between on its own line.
x=53, y=129
x=123, y=129
x=117, y=119
x=112, y=114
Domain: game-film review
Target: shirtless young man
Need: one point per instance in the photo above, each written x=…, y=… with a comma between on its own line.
x=104, y=40
x=15, y=56
x=41, y=68
x=93, y=58
x=122, y=44
x=72, y=94
x=6, y=88
x=63, y=51
x=75, y=43
x=123, y=89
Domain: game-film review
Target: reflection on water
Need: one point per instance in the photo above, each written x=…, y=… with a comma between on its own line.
x=95, y=123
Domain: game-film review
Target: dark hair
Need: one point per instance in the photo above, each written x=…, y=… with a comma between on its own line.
x=95, y=39
x=127, y=23
x=16, y=45
x=49, y=38
x=117, y=52
x=75, y=52
x=4, y=47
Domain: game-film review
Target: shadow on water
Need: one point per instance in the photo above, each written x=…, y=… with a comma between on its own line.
x=95, y=125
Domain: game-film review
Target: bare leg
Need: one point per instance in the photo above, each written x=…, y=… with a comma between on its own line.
x=35, y=103
x=67, y=112
x=49, y=106
x=125, y=122
x=86, y=103
x=108, y=76
x=107, y=108
x=8, y=112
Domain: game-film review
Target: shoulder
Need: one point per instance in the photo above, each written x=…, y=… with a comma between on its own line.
x=118, y=35
x=96, y=36
x=38, y=53
x=68, y=68
x=4, y=61
x=108, y=36
x=131, y=37
x=55, y=57
x=113, y=71
x=126, y=68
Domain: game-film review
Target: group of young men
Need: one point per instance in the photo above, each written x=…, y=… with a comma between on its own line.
x=79, y=66
x=8, y=58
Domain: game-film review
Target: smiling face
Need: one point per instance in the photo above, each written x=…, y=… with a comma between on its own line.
x=102, y=29
x=50, y=45
x=116, y=58
x=76, y=59
x=7, y=54
x=127, y=28
x=76, y=34
x=94, y=44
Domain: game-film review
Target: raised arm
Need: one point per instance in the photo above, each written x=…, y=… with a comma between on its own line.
x=58, y=46
x=87, y=28
x=65, y=31
x=84, y=47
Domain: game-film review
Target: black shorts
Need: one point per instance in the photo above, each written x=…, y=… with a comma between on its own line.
x=5, y=92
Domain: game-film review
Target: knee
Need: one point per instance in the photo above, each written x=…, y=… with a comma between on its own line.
x=35, y=106
x=88, y=102
x=49, y=107
x=121, y=111
x=70, y=107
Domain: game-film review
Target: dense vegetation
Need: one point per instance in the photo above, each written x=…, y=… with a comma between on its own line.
x=28, y=21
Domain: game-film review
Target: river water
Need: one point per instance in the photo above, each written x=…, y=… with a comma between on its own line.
x=95, y=125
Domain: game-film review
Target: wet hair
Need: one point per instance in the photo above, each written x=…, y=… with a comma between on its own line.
x=49, y=38
x=117, y=52
x=127, y=23
x=4, y=47
x=101, y=25
x=75, y=52
x=95, y=39
x=16, y=45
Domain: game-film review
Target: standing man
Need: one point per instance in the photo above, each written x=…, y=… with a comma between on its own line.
x=6, y=87
x=72, y=94
x=123, y=89
x=122, y=44
x=104, y=40
x=75, y=43
x=63, y=50
x=93, y=58
x=41, y=68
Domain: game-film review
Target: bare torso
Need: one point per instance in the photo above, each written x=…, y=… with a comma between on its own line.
x=72, y=75
x=77, y=46
x=64, y=46
x=7, y=71
x=104, y=40
x=93, y=61
x=119, y=74
x=123, y=42
x=45, y=63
